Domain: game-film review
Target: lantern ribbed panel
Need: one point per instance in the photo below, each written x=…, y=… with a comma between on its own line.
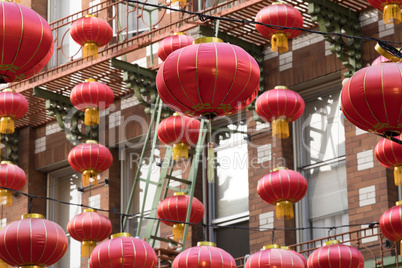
x=275, y=257
x=179, y=129
x=391, y=223
x=26, y=42
x=208, y=79
x=389, y=153
x=89, y=226
x=90, y=156
x=380, y=59
x=91, y=30
x=379, y=4
x=12, y=176
x=32, y=242
x=91, y=94
x=204, y=256
x=372, y=98
x=175, y=208
x=12, y=104
x=123, y=252
x=336, y=255
x=172, y=43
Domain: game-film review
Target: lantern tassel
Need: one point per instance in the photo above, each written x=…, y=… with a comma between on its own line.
x=91, y=117
x=279, y=43
x=87, y=247
x=90, y=50
x=211, y=163
x=7, y=125
x=280, y=127
x=284, y=210
x=3, y=264
x=5, y=197
x=86, y=175
x=392, y=14
x=178, y=231
x=398, y=175
x=180, y=151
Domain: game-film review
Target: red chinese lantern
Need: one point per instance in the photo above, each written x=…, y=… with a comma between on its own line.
x=179, y=131
x=371, y=99
x=91, y=97
x=274, y=256
x=32, y=242
x=205, y=255
x=279, y=14
x=90, y=159
x=172, y=43
x=88, y=228
x=391, y=10
x=282, y=188
x=13, y=106
x=122, y=250
x=389, y=154
x=391, y=223
x=12, y=177
x=91, y=33
x=175, y=208
x=27, y=39
x=379, y=60
x=279, y=107
x=334, y=254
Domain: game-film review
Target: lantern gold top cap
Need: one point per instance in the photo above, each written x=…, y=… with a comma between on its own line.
x=271, y=246
x=120, y=235
x=6, y=162
x=90, y=80
x=32, y=216
x=281, y=87
x=8, y=90
x=386, y=54
x=285, y=247
x=398, y=203
x=279, y=168
x=179, y=33
x=331, y=242
x=91, y=141
x=179, y=193
x=89, y=16
x=206, y=243
x=89, y=210
x=279, y=3
x=202, y=40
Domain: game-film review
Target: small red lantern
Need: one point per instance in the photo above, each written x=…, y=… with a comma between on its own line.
x=334, y=254
x=12, y=177
x=389, y=154
x=172, y=43
x=26, y=39
x=391, y=10
x=122, y=251
x=274, y=256
x=32, y=242
x=91, y=97
x=91, y=33
x=279, y=14
x=282, y=188
x=175, y=208
x=90, y=159
x=391, y=223
x=372, y=99
x=279, y=107
x=205, y=255
x=13, y=106
x=179, y=131
x=88, y=228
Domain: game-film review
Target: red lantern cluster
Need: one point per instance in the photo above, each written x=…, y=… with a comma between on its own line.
x=12, y=177
x=174, y=208
x=172, y=43
x=27, y=39
x=32, y=241
x=391, y=223
x=282, y=188
x=274, y=256
x=91, y=97
x=90, y=158
x=205, y=255
x=389, y=154
x=391, y=10
x=123, y=251
x=91, y=33
x=13, y=106
x=88, y=228
x=279, y=14
x=279, y=107
x=179, y=131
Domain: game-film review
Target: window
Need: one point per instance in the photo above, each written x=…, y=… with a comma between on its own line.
x=63, y=185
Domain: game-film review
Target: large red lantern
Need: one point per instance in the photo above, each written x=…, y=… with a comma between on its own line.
x=90, y=159
x=172, y=43
x=122, y=251
x=205, y=255
x=91, y=33
x=12, y=177
x=391, y=10
x=372, y=99
x=389, y=154
x=32, y=242
x=175, y=208
x=13, y=106
x=27, y=41
x=274, y=256
x=391, y=223
x=334, y=254
x=279, y=14
x=88, y=228
x=179, y=131
x=282, y=188
x=91, y=97
x=279, y=107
